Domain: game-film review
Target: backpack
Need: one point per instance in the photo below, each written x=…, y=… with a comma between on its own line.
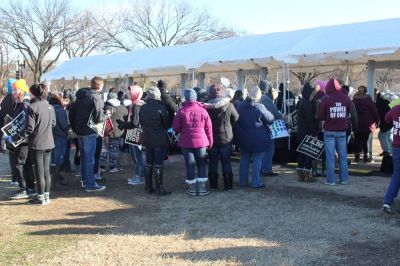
x=387, y=165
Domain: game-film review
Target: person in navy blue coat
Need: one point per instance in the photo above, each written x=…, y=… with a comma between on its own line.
x=251, y=135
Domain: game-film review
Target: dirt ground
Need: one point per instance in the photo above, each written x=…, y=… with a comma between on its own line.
x=286, y=223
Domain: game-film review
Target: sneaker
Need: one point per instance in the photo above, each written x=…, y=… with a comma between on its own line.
x=32, y=193
x=83, y=184
x=96, y=188
x=22, y=194
x=14, y=183
x=114, y=170
x=77, y=171
x=386, y=208
x=135, y=181
x=98, y=178
x=37, y=201
x=330, y=184
x=344, y=182
x=102, y=169
x=259, y=186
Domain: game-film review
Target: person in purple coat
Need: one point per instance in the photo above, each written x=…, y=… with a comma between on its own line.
x=196, y=135
x=334, y=111
x=393, y=117
x=368, y=118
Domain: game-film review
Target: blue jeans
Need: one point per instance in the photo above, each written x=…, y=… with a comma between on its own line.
x=394, y=185
x=195, y=157
x=245, y=157
x=385, y=139
x=222, y=153
x=155, y=156
x=137, y=157
x=59, y=151
x=87, y=147
x=336, y=140
x=267, y=157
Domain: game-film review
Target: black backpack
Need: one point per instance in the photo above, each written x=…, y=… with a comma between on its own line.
x=387, y=165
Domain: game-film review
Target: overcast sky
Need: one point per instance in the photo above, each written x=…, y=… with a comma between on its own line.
x=264, y=16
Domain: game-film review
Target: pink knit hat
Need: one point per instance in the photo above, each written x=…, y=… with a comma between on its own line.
x=136, y=93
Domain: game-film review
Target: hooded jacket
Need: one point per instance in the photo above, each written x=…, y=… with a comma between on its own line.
x=393, y=117
x=307, y=124
x=223, y=116
x=155, y=121
x=194, y=125
x=382, y=105
x=41, y=120
x=367, y=113
x=62, y=124
x=334, y=108
x=118, y=112
x=88, y=102
x=251, y=130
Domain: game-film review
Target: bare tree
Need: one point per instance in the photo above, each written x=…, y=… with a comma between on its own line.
x=309, y=77
x=38, y=30
x=90, y=36
x=5, y=62
x=150, y=24
x=386, y=78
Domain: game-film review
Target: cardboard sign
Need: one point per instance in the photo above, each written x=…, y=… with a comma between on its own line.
x=134, y=137
x=312, y=147
x=394, y=103
x=15, y=129
x=293, y=119
x=278, y=129
x=98, y=128
x=108, y=128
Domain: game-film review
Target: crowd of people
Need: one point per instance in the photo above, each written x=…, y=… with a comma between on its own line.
x=209, y=125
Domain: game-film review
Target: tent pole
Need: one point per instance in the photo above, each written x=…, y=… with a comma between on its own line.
x=370, y=87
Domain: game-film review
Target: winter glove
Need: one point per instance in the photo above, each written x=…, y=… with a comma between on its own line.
x=9, y=139
x=121, y=124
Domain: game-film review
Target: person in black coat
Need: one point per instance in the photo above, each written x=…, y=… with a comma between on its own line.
x=223, y=116
x=155, y=121
x=290, y=101
x=165, y=98
x=385, y=134
x=307, y=125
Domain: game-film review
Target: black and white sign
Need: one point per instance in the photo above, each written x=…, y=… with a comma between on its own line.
x=134, y=136
x=15, y=129
x=293, y=119
x=312, y=147
x=98, y=128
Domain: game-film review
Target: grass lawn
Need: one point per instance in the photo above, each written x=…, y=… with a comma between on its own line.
x=287, y=223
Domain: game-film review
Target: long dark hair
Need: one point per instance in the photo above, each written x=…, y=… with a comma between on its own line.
x=39, y=91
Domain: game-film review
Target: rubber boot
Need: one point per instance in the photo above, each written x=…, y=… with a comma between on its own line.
x=202, y=186
x=300, y=174
x=228, y=182
x=158, y=179
x=192, y=187
x=308, y=176
x=148, y=178
x=213, y=179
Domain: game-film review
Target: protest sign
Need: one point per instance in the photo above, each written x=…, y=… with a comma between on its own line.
x=98, y=128
x=15, y=128
x=134, y=137
x=108, y=128
x=278, y=129
x=293, y=117
x=312, y=147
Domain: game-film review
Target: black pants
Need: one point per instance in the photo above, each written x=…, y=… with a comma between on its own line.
x=41, y=167
x=361, y=143
x=23, y=168
x=99, y=143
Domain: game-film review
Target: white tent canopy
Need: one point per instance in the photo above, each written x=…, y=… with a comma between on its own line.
x=332, y=45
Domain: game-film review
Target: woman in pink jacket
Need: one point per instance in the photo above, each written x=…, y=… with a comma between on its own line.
x=194, y=125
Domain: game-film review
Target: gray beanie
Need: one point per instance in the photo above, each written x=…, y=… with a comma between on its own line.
x=154, y=93
x=190, y=95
